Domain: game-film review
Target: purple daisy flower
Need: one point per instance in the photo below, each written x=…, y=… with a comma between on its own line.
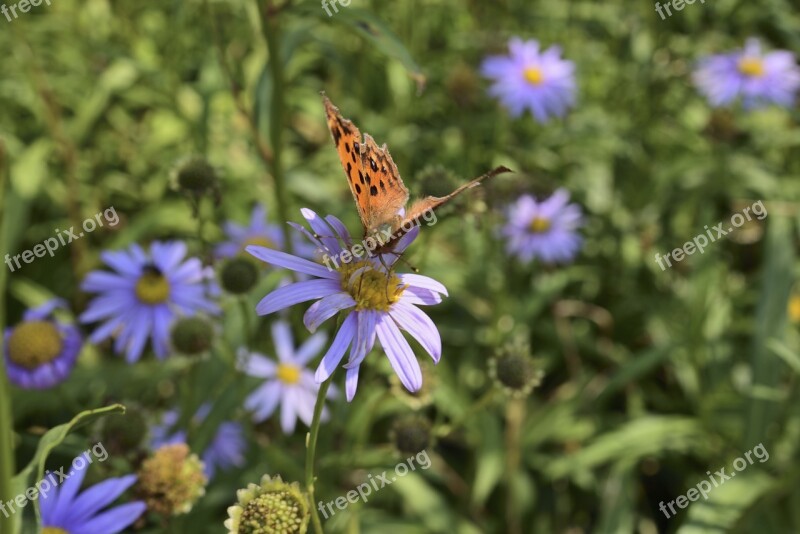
x=530, y=78
x=40, y=352
x=543, y=229
x=379, y=303
x=64, y=510
x=756, y=77
x=144, y=295
x=287, y=382
x=258, y=232
x=225, y=451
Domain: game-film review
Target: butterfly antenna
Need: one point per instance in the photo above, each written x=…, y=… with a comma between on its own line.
x=401, y=257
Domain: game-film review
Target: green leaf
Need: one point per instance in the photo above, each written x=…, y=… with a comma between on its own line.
x=376, y=32
x=50, y=441
x=490, y=460
x=646, y=436
x=770, y=324
x=29, y=172
x=726, y=504
x=786, y=354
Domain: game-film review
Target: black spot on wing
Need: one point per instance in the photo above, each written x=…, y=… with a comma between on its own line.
x=373, y=191
x=358, y=189
x=356, y=146
x=361, y=176
x=337, y=135
x=347, y=146
x=383, y=187
x=373, y=165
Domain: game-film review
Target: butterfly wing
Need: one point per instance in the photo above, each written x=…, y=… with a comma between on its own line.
x=418, y=208
x=347, y=139
x=386, y=190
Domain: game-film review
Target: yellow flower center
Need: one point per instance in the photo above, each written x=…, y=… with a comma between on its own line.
x=260, y=241
x=533, y=75
x=288, y=374
x=794, y=308
x=34, y=343
x=750, y=66
x=152, y=287
x=539, y=225
x=372, y=289
x=54, y=530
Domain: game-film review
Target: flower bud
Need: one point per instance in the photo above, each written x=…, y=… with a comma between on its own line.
x=192, y=335
x=238, y=275
x=411, y=434
x=271, y=507
x=172, y=480
x=514, y=371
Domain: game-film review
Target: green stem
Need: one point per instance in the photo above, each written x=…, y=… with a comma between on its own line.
x=311, y=448
x=7, y=468
x=245, y=308
x=270, y=28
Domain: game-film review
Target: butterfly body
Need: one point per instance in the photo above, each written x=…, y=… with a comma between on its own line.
x=379, y=192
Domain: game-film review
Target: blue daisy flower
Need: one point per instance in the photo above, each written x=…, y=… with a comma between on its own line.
x=288, y=382
x=65, y=510
x=529, y=78
x=377, y=303
x=144, y=295
x=544, y=230
x=758, y=78
x=259, y=232
x=40, y=352
x=225, y=451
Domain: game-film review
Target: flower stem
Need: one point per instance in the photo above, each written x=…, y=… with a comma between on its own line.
x=311, y=448
x=7, y=468
x=270, y=28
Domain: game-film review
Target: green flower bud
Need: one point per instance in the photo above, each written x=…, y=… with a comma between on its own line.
x=172, y=480
x=411, y=434
x=273, y=507
x=514, y=371
x=238, y=275
x=192, y=335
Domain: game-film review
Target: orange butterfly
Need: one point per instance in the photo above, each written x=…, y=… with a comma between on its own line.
x=376, y=185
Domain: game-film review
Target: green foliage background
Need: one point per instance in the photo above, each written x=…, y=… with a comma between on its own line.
x=652, y=377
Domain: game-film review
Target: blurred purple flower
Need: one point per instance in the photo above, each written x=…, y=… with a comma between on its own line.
x=288, y=382
x=225, y=451
x=145, y=294
x=258, y=232
x=543, y=229
x=64, y=510
x=529, y=78
x=380, y=303
x=757, y=78
x=40, y=352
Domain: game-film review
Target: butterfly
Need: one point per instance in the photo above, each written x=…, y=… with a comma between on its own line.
x=379, y=192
